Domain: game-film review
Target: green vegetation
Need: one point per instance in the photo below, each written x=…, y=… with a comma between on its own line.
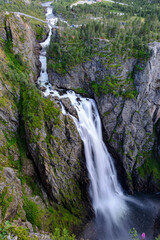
x=112, y=38
x=104, y=10
x=62, y=236
x=134, y=235
x=108, y=32
x=4, y=202
x=111, y=29
x=33, y=212
x=81, y=91
x=33, y=9
x=34, y=111
x=19, y=231
x=23, y=233
x=68, y=50
x=40, y=29
x=62, y=218
x=116, y=86
x=150, y=167
x=36, y=108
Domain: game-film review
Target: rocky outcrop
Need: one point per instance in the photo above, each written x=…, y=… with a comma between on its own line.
x=16, y=167
x=11, y=192
x=79, y=77
x=22, y=37
x=59, y=158
x=43, y=180
x=128, y=119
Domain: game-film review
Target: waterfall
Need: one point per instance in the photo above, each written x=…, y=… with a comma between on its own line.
x=43, y=78
x=106, y=193
x=115, y=212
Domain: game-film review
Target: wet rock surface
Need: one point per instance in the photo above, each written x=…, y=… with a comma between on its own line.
x=68, y=107
x=157, y=226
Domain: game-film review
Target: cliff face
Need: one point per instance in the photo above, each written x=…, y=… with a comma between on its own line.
x=23, y=41
x=129, y=111
x=43, y=176
x=57, y=151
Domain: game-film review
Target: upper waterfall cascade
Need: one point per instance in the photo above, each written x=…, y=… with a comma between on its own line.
x=112, y=208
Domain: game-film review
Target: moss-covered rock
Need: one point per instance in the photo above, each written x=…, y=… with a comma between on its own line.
x=57, y=150
x=20, y=34
x=43, y=178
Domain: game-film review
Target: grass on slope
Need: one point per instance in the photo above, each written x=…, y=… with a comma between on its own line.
x=34, y=9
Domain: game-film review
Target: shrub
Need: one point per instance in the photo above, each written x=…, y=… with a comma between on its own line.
x=7, y=229
x=62, y=236
x=32, y=212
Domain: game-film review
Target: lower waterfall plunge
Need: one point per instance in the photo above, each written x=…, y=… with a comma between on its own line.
x=106, y=194
x=115, y=212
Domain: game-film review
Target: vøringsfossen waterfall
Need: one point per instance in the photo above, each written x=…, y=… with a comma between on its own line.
x=115, y=212
x=105, y=191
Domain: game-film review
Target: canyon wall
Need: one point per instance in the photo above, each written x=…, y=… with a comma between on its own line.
x=129, y=110
x=44, y=181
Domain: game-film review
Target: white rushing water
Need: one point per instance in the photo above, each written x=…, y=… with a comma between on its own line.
x=43, y=78
x=105, y=191
x=109, y=202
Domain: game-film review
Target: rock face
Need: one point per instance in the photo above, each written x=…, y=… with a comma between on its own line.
x=14, y=162
x=43, y=177
x=79, y=77
x=12, y=191
x=24, y=42
x=129, y=121
x=157, y=226
x=58, y=155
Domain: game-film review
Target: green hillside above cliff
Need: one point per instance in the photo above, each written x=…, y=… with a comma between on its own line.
x=33, y=8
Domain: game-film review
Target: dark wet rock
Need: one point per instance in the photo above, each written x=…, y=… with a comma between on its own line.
x=89, y=232
x=43, y=88
x=55, y=98
x=68, y=107
x=157, y=226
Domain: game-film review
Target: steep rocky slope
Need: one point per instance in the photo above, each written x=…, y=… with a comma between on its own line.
x=127, y=95
x=43, y=176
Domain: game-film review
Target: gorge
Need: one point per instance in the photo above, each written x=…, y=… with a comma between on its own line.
x=49, y=138
x=113, y=209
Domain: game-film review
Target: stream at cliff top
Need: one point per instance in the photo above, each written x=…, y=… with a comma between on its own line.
x=115, y=212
